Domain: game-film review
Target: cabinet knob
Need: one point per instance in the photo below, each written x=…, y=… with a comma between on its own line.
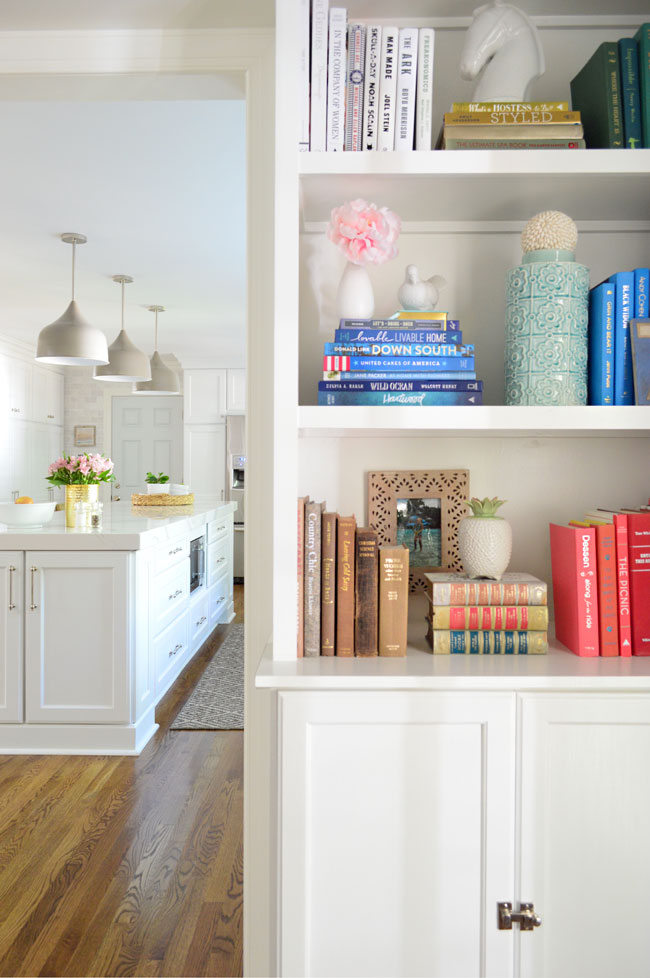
x=175, y=594
x=525, y=916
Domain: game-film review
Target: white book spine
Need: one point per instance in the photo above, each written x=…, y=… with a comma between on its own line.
x=303, y=67
x=387, y=88
x=318, y=125
x=354, y=89
x=336, y=81
x=424, y=98
x=371, y=88
x=406, y=82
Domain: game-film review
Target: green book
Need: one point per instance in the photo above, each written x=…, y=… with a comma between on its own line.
x=630, y=95
x=596, y=94
x=642, y=37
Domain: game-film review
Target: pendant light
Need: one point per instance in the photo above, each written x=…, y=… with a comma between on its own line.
x=125, y=361
x=70, y=340
x=163, y=379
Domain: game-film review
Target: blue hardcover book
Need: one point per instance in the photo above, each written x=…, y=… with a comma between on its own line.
x=600, y=373
x=398, y=363
x=398, y=336
x=399, y=324
x=630, y=93
x=400, y=385
x=400, y=398
x=623, y=379
x=640, y=342
x=641, y=281
x=399, y=349
x=396, y=375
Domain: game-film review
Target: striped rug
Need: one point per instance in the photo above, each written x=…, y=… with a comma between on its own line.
x=217, y=703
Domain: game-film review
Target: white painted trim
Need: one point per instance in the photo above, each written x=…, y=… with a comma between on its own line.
x=494, y=227
x=97, y=738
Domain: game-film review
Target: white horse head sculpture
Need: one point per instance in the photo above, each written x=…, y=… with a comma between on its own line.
x=504, y=40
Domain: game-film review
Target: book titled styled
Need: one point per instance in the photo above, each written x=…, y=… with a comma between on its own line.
x=514, y=588
x=607, y=589
x=424, y=89
x=640, y=342
x=328, y=585
x=498, y=617
x=630, y=93
x=387, y=88
x=600, y=367
x=336, y=65
x=575, y=587
x=393, y=599
x=302, y=501
x=371, y=88
x=623, y=304
x=318, y=74
x=596, y=94
x=345, y=564
x=512, y=117
x=406, y=88
x=638, y=538
x=354, y=88
x=313, y=514
x=366, y=592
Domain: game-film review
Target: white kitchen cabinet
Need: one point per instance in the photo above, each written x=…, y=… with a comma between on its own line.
x=20, y=378
x=19, y=445
x=236, y=389
x=205, y=459
x=47, y=399
x=204, y=394
x=11, y=636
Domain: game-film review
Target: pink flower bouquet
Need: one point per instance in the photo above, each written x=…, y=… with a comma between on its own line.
x=80, y=470
x=365, y=233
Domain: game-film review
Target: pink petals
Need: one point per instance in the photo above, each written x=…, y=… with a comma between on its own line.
x=365, y=233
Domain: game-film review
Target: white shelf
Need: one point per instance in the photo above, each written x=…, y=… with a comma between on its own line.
x=495, y=421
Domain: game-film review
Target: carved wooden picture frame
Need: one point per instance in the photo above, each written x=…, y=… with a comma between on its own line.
x=421, y=509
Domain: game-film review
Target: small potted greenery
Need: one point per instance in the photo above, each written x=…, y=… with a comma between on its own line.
x=157, y=483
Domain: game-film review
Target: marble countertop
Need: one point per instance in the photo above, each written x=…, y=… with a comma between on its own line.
x=125, y=527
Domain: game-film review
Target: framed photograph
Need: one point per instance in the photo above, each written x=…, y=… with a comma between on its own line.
x=84, y=435
x=422, y=510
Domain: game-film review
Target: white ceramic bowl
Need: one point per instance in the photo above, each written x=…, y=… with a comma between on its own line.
x=26, y=514
x=178, y=489
x=157, y=488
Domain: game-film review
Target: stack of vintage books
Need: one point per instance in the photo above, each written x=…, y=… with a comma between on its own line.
x=516, y=125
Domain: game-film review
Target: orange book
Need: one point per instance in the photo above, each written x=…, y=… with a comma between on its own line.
x=607, y=588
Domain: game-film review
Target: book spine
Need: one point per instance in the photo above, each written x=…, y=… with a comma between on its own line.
x=415, y=317
x=328, y=585
x=639, y=556
x=630, y=94
x=371, y=88
x=397, y=335
x=488, y=593
x=440, y=318
x=354, y=88
x=623, y=373
x=623, y=585
x=587, y=583
x=475, y=642
x=313, y=513
x=318, y=88
x=614, y=102
x=463, y=107
x=336, y=80
x=406, y=80
x=345, y=586
x=303, y=69
x=601, y=344
x=607, y=603
x=512, y=117
x=399, y=349
x=514, y=143
x=424, y=94
x=486, y=617
x=387, y=88
x=395, y=376
x=370, y=364
x=400, y=385
x=642, y=37
x=300, y=650
x=366, y=593
x=405, y=398
x=393, y=600
x=641, y=284
x=524, y=133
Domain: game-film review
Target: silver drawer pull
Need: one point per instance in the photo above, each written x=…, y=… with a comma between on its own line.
x=50, y=415
x=11, y=588
x=176, y=649
x=201, y=620
x=220, y=528
x=177, y=551
x=221, y=600
x=221, y=560
x=175, y=594
x=33, y=572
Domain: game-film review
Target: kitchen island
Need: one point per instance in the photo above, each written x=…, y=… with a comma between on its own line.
x=96, y=625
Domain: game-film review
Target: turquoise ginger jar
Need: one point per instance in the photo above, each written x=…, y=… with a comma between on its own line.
x=547, y=301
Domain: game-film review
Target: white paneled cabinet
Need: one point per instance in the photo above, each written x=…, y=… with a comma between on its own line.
x=11, y=636
x=205, y=458
x=204, y=392
x=20, y=385
x=47, y=399
x=236, y=390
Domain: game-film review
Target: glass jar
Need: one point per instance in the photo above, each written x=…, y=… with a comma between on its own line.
x=82, y=515
x=95, y=515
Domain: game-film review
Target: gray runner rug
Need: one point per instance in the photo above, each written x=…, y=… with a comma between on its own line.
x=217, y=703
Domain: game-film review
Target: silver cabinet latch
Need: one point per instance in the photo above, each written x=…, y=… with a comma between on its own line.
x=525, y=916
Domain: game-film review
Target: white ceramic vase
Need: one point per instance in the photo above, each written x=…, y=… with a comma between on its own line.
x=485, y=546
x=355, y=298
x=156, y=488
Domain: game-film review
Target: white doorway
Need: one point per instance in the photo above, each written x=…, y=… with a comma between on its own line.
x=147, y=436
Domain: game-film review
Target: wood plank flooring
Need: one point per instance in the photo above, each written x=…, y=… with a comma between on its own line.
x=126, y=865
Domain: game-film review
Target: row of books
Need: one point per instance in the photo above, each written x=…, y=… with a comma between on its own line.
x=618, y=358
x=469, y=617
x=601, y=582
x=352, y=593
x=516, y=125
x=413, y=359
x=612, y=93
x=363, y=87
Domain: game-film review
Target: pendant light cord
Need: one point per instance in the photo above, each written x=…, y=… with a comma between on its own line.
x=155, y=337
x=122, y=305
x=74, y=245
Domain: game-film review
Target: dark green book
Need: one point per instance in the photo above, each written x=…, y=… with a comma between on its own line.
x=630, y=95
x=642, y=37
x=596, y=94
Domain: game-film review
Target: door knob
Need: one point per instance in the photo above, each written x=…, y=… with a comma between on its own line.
x=525, y=916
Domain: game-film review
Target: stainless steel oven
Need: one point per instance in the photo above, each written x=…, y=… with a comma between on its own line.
x=197, y=563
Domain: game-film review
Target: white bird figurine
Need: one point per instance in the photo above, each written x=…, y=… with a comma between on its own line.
x=418, y=295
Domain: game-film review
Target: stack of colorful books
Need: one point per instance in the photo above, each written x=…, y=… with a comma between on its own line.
x=517, y=125
x=506, y=617
x=411, y=359
x=616, y=358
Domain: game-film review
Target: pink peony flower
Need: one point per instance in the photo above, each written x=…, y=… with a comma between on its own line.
x=365, y=233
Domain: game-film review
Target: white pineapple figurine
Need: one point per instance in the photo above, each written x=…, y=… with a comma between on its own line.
x=485, y=540
x=417, y=294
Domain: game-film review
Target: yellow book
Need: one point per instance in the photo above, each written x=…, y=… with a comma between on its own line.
x=415, y=314
x=512, y=117
x=510, y=106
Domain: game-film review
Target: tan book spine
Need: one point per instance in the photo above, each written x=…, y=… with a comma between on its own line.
x=328, y=585
x=300, y=642
x=511, y=116
x=393, y=600
x=366, y=592
x=345, y=585
x=313, y=514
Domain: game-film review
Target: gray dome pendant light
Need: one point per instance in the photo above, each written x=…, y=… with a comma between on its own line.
x=126, y=363
x=163, y=379
x=70, y=341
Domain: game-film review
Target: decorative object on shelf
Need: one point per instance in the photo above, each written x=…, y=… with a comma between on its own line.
x=422, y=510
x=366, y=234
x=485, y=540
x=417, y=294
x=81, y=476
x=547, y=302
x=126, y=363
x=157, y=483
x=85, y=435
x=70, y=340
x=503, y=43
x=163, y=379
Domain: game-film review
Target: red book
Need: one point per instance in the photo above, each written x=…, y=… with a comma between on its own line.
x=638, y=538
x=623, y=582
x=575, y=587
x=607, y=589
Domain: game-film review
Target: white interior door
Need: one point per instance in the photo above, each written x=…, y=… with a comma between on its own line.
x=147, y=436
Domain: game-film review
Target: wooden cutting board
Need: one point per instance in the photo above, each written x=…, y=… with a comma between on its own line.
x=161, y=499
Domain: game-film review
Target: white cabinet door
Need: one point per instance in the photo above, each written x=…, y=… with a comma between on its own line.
x=20, y=460
x=11, y=636
x=236, y=390
x=20, y=388
x=77, y=637
x=204, y=392
x=585, y=844
x=47, y=396
x=205, y=459
x=397, y=838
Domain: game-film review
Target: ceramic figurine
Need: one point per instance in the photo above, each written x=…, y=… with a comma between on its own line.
x=485, y=540
x=417, y=294
x=503, y=44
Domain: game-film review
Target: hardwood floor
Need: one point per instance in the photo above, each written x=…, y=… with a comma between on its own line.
x=126, y=865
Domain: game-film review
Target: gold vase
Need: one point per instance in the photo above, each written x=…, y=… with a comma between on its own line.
x=78, y=494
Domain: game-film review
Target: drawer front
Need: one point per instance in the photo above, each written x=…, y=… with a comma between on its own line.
x=170, y=595
x=172, y=553
x=218, y=561
x=171, y=651
x=219, y=596
x=218, y=529
x=199, y=621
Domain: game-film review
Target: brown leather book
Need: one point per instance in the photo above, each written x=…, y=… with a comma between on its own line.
x=366, y=592
x=393, y=599
x=345, y=585
x=328, y=585
x=302, y=500
x=313, y=515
